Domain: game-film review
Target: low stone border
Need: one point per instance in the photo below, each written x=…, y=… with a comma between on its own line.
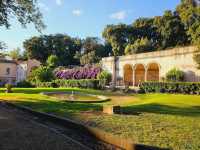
x=119, y=142
x=102, y=99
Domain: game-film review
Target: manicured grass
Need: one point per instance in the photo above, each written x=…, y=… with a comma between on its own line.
x=163, y=120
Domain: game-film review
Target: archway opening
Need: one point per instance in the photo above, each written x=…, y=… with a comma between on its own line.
x=139, y=74
x=128, y=75
x=153, y=72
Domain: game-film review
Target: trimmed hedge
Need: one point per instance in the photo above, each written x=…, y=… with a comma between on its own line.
x=85, y=83
x=171, y=87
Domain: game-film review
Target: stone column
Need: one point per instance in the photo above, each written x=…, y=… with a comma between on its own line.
x=145, y=74
x=114, y=71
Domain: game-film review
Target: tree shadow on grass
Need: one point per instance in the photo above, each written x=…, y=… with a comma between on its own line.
x=70, y=108
x=61, y=108
x=145, y=147
x=193, y=111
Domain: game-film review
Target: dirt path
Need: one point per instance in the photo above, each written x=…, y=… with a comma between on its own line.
x=19, y=131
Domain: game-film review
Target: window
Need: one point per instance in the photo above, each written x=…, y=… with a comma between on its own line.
x=7, y=71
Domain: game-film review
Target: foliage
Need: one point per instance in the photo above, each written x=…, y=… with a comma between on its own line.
x=87, y=72
x=24, y=84
x=63, y=46
x=84, y=83
x=25, y=11
x=41, y=74
x=171, y=29
x=175, y=75
x=92, y=51
x=139, y=46
x=52, y=61
x=117, y=36
x=2, y=45
x=171, y=87
x=8, y=88
x=196, y=56
x=105, y=75
x=17, y=55
x=174, y=28
x=189, y=12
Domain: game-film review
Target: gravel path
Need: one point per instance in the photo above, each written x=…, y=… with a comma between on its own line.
x=19, y=131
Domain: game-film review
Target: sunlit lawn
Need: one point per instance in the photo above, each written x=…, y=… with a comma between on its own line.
x=163, y=120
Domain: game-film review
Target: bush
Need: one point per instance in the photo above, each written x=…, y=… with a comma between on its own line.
x=86, y=83
x=24, y=84
x=47, y=84
x=104, y=75
x=87, y=72
x=52, y=61
x=171, y=87
x=41, y=74
x=8, y=88
x=175, y=75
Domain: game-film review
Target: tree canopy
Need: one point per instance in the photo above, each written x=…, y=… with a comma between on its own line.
x=175, y=28
x=92, y=50
x=60, y=45
x=25, y=11
x=68, y=50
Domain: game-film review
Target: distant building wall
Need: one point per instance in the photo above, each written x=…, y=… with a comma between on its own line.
x=24, y=68
x=31, y=64
x=156, y=64
x=8, y=71
x=21, y=72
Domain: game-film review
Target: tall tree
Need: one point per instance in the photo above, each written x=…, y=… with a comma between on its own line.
x=93, y=50
x=15, y=53
x=62, y=46
x=171, y=29
x=189, y=12
x=25, y=11
x=117, y=36
x=145, y=28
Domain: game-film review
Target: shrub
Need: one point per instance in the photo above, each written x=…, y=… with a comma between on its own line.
x=41, y=74
x=85, y=83
x=104, y=75
x=8, y=88
x=175, y=75
x=171, y=87
x=47, y=84
x=24, y=84
x=87, y=72
x=52, y=61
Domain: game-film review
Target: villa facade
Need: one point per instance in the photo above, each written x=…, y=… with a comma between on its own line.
x=152, y=66
x=12, y=71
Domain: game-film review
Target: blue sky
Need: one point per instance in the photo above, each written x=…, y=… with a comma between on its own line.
x=81, y=18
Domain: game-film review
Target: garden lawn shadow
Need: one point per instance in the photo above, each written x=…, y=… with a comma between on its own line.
x=193, y=111
x=59, y=108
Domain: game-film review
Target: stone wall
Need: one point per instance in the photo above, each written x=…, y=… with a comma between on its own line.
x=181, y=58
x=8, y=72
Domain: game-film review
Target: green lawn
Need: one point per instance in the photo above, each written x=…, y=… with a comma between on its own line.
x=163, y=120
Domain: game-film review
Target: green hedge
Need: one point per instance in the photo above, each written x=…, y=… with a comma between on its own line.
x=171, y=87
x=85, y=83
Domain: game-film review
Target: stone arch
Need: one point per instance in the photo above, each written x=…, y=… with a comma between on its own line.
x=128, y=74
x=139, y=74
x=153, y=72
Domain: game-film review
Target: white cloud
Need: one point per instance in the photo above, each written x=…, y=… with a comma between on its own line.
x=59, y=2
x=120, y=15
x=43, y=7
x=77, y=12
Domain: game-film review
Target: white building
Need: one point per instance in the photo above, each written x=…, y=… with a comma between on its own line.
x=152, y=66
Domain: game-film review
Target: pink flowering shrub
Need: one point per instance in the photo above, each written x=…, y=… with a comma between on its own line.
x=87, y=72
